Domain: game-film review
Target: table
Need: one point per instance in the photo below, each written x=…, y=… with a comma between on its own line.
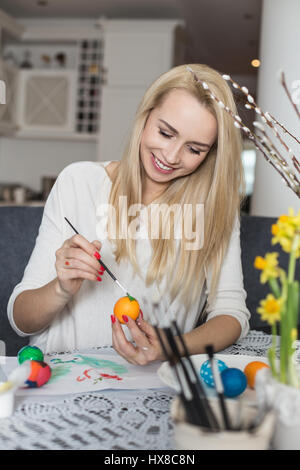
x=109, y=420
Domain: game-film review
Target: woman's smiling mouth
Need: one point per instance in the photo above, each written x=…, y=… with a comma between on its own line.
x=160, y=166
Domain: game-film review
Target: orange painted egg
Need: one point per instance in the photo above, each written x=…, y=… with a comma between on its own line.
x=128, y=306
x=251, y=370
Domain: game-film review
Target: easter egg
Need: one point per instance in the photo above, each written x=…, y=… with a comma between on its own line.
x=30, y=353
x=251, y=370
x=234, y=382
x=39, y=375
x=206, y=372
x=128, y=306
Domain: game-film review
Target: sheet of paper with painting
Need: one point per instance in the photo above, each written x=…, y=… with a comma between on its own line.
x=76, y=373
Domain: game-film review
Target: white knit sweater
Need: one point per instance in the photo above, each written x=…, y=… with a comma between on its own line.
x=85, y=321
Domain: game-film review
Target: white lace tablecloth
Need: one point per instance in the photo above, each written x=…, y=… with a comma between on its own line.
x=109, y=420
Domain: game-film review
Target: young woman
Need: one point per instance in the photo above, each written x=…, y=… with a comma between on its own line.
x=183, y=152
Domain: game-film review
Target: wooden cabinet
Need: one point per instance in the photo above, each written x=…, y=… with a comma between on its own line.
x=46, y=101
x=58, y=89
x=9, y=28
x=8, y=119
x=109, y=65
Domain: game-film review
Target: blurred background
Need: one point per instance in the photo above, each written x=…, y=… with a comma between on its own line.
x=75, y=72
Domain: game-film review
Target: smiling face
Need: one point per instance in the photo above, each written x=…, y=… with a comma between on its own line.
x=176, y=139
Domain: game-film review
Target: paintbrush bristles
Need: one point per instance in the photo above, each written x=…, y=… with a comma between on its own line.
x=210, y=351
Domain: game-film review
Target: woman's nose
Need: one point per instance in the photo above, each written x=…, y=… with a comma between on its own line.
x=172, y=154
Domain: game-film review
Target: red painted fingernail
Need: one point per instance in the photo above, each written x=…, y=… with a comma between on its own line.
x=97, y=255
x=67, y=263
x=100, y=272
x=125, y=318
x=99, y=278
x=141, y=313
x=113, y=318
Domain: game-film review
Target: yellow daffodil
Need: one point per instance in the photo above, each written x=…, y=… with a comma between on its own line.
x=270, y=309
x=268, y=266
x=285, y=231
x=274, y=229
x=282, y=305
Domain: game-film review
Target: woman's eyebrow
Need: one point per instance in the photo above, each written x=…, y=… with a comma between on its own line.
x=176, y=132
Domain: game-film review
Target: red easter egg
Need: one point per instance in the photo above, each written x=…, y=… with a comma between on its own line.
x=39, y=375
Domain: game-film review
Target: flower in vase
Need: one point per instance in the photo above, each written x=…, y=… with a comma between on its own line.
x=284, y=232
x=268, y=265
x=270, y=309
x=281, y=307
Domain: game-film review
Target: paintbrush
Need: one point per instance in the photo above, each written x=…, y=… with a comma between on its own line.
x=102, y=264
x=180, y=378
x=194, y=398
x=182, y=387
x=193, y=373
x=219, y=386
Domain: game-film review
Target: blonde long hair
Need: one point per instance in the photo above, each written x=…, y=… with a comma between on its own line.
x=216, y=183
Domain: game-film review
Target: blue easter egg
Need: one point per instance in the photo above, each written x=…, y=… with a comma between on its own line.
x=206, y=372
x=234, y=382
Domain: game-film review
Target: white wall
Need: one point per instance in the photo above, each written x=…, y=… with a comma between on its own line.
x=26, y=161
x=279, y=49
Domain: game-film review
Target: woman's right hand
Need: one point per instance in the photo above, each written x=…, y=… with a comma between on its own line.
x=77, y=260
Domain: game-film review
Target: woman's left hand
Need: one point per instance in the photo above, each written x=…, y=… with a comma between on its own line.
x=147, y=347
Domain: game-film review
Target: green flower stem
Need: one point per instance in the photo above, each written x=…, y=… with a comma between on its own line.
x=272, y=352
x=274, y=286
x=296, y=300
x=290, y=315
x=292, y=262
x=292, y=306
x=283, y=349
x=283, y=333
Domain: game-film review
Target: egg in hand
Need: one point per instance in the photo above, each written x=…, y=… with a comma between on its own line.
x=128, y=306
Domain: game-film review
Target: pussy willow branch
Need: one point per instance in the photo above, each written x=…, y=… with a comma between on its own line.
x=265, y=116
x=283, y=83
x=276, y=122
x=274, y=152
x=265, y=145
x=284, y=128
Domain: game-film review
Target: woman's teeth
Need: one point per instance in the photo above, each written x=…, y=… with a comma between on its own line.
x=161, y=165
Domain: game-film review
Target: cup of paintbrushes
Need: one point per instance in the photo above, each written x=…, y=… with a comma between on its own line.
x=254, y=432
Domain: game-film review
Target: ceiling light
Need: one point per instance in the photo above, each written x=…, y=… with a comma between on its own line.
x=255, y=63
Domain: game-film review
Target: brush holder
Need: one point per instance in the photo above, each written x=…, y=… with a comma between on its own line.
x=190, y=437
x=7, y=401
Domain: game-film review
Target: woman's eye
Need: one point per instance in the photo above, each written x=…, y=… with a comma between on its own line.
x=197, y=152
x=168, y=136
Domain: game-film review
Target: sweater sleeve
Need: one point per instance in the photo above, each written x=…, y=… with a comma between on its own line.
x=41, y=266
x=230, y=294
